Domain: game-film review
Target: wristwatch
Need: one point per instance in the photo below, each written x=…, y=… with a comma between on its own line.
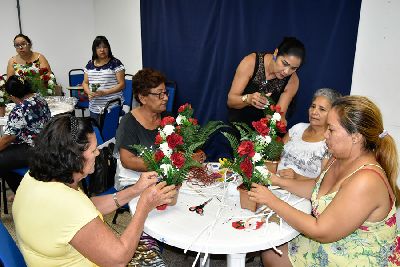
x=244, y=98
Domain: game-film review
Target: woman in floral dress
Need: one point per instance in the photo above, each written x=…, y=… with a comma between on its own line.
x=353, y=201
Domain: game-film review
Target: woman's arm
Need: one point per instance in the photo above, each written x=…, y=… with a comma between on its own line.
x=85, y=85
x=131, y=161
x=10, y=68
x=349, y=209
x=5, y=141
x=106, y=204
x=99, y=244
x=299, y=187
x=288, y=94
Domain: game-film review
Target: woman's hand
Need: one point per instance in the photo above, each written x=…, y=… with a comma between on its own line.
x=257, y=100
x=287, y=173
x=260, y=194
x=146, y=180
x=96, y=94
x=156, y=195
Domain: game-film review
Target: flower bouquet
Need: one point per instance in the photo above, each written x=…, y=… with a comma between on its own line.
x=192, y=132
x=42, y=81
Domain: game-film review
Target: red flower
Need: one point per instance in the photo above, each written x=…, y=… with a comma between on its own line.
x=158, y=155
x=279, y=139
x=261, y=126
x=276, y=108
x=281, y=126
x=178, y=129
x=391, y=221
x=159, y=139
x=20, y=73
x=247, y=167
x=46, y=78
x=238, y=225
x=33, y=72
x=43, y=71
x=183, y=107
x=363, y=228
x=167, y=120
x=193, y=121
x=246, y=148
x=174, y=140
x=178, y=159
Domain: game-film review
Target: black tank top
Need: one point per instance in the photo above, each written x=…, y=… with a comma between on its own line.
x=258, y=83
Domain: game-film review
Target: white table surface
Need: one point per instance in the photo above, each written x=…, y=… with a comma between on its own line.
x=57, y=105
x=179, y=227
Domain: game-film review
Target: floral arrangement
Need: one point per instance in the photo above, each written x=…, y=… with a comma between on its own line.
x=42, y=81
x=255, y=147
x=3, y=93
x=94, y=86
x=191, y=131
x=168, y=159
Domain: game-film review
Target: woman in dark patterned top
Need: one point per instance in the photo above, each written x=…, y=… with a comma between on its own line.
x=272, y=74
x=25, y=121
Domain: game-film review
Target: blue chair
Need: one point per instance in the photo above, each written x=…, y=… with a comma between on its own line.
x=75, y=78
x=170, y=86
x=109, y=119
x=127, y=93
x=10, y=255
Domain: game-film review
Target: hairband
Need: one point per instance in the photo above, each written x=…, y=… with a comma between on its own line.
x=383, y=133
x=74, y=128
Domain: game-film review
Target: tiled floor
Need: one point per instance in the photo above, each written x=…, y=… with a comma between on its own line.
x=173, y=257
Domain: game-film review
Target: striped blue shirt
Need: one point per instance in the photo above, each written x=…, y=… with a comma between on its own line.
x=105, y=76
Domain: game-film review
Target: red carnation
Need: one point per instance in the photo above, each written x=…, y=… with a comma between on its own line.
x=174, y=140
x=33, y=72
x=42, y=71
x=167, y=120
x=158, y=155
x=193, y=121
x=183, y=107
x=159, y=139
x=246, y=148
x=46, y=78
x=281, y=126
x=178, y=159
x=261, y=127
x=178, y=129
x=247, y=167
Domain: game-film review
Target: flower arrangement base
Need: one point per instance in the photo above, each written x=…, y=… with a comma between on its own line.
x=2, y=111
x=199, y=156
x=272, y=166
x=173, y=202
x=245, y=202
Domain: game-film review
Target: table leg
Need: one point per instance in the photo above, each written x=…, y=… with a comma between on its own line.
x=236, y=260
x=207, y=264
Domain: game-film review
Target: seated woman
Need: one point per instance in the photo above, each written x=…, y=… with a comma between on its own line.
x=270, y=73
x=56, y=223
x=347, y=226
x=305, y=151
x=25, y=56
x=24, y=123
x=140, y=125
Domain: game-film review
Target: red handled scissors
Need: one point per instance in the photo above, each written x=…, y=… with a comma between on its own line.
x=199, y=209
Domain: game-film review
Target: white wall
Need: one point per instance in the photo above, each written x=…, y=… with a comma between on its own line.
x=376, y=65
x=63, y=31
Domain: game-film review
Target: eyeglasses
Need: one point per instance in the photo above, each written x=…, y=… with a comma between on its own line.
x=20, y=46
x=160, y=95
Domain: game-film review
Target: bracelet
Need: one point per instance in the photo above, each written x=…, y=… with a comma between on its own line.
x=114, y=196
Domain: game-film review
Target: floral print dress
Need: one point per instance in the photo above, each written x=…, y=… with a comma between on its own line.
x=372, y=244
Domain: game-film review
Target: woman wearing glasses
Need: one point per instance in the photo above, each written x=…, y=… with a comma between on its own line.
x=25, y=57
x=104, y=77
x=259, y=73
x=140, y=127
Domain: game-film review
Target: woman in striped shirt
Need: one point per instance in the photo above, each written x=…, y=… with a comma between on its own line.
x=104, y=77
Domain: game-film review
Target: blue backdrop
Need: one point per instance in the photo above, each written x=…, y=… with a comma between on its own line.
x=199, y=44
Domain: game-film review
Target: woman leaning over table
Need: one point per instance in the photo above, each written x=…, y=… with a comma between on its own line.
x=105, y=71
x=56, y=223
x=305, y=152
x=25, y=56
x=24, y=123
x=269, y=73
x=347, y=226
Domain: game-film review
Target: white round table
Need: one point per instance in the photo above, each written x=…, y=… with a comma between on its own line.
x=179, y=227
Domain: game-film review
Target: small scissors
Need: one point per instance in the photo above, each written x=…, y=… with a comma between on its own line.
x=199, y=208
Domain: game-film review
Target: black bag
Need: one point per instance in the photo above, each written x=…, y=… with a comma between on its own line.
x=105, y=167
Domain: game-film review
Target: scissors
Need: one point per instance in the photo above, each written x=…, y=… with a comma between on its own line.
x=199, y=208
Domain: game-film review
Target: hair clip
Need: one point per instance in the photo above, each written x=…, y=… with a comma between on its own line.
x=383, y=133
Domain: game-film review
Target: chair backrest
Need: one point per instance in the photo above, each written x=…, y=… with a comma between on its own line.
x=128, y=91
x=99, y=138
x=9, y=252
x=109, y=119
x=75, y=77
x=170, y=86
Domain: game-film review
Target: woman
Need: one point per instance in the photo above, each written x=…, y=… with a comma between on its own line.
x=347, y=227
x=305, y=151
x=263, y=73
x=25, y=57
x=24, y=123
x=104, y=77
x=56, y=223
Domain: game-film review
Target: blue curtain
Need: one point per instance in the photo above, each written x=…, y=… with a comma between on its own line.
x=199, y=44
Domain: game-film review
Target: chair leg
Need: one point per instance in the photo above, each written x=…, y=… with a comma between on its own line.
x=117, y=212
x=3, y=189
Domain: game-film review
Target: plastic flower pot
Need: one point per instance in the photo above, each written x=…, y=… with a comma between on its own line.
x=245, y=202
x=199, y=156
x=271, y=165
x=173, y=202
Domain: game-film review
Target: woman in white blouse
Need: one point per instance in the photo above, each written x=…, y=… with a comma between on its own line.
x=305, y=152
